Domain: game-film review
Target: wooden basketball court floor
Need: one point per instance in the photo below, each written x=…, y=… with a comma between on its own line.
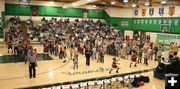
x=16, y=75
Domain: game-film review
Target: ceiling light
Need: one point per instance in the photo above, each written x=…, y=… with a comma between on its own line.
x=163, y=2
x=94, y=5
x=125, y=0
x=24, y=0
x=113, y=3
x=133, y=5
x=73, y=4
x=147, y=3
x=52, y=2
x=89, y=0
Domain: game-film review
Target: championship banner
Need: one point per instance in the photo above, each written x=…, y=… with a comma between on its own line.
x=161, y=11
x=154, y=21
x=136, y=12
x=171, y=11
x=167, y=39
x=34, y=12
x=143, y=12
x=150, y=21
x=142, y=21
x=146, y=21
x=151, y=11
x=134, y=21
x=176, y=22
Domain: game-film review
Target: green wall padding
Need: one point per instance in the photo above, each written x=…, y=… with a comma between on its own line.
x=96, y=14
x=56, y=11
x=12, y=9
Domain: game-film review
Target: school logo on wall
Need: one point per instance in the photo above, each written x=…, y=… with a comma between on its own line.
x=171, y=11
x=143, y=12
x=136, y=12
x=151, y=11
x=161, y=11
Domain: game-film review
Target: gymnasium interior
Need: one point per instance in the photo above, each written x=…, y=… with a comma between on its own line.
x=114, y=34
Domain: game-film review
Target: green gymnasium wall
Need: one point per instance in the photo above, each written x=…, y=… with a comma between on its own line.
x=56, y=11
x=15, y=9
x=118, y=23
x=145, y=24
x=96, y=14
x=2, y=24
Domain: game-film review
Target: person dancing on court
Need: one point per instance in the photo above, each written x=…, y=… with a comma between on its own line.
x=133, y=59
x=114, y=65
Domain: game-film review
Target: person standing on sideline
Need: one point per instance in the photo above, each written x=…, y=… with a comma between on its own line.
x=32, y=64
x=88, y=55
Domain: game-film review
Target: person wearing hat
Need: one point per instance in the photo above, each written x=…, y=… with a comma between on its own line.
x=114, y=65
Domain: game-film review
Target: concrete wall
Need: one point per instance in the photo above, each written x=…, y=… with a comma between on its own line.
x=37, y=19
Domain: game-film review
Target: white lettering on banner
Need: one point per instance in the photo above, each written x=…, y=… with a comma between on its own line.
x=170, y=21
x=160, y=40
x=165, y=21
x=154, y=21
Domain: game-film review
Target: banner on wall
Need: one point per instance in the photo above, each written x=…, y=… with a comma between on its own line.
x=143, y=12
x=136, y=12
x=151, y=11
x=171, y=11
x=124, y=23
x=167, y=39
x=34, y=12
x=161, y=11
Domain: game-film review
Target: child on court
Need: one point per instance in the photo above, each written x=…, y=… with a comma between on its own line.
x=10, y=46
x=94, y=53
x=75, y=61
x=140, y=55
x=133, y=59
x=114, y=65
x=159, y=54
x=56, y=49
x=71, y=53
x=146, y=57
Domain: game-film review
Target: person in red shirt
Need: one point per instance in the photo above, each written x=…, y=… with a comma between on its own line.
x=99, y=54
x=133, y=59
x=114, y=65
x=46, y=49
x=151, y=45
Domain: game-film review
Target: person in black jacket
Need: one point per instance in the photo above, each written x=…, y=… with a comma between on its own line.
x=88, y=55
